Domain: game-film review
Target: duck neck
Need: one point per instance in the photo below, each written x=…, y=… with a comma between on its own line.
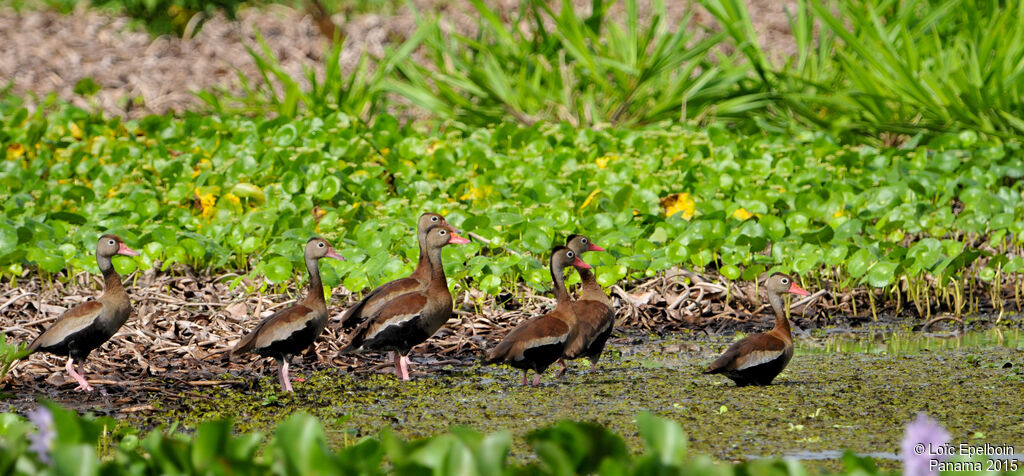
x=315, y=297
x=561, y=294
x=781, y=323
x=111, y=280
x=589, y=289
x=423, y=269
x=436, y=267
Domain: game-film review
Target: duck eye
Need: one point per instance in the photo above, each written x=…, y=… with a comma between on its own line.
x=785, y=281
x=321, y=244
x=569, y=254
x=110, y=242
x=584, y=241
x=433, y=218
x=443, y=232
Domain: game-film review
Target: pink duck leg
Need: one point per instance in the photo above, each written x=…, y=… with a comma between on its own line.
x=82, y=383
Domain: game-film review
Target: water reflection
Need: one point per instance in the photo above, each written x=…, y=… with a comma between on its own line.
x=888, y=341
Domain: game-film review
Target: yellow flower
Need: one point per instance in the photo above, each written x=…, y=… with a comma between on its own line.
x=206, y=203
x=15, y=150
x=741, y=214
x=681, y=203
x=840, y=212
x=202, y=165
x=233, y=199
x=602, y=162
x=76, y=132
x=477, y=193
x=590, y=198
x=385, y=151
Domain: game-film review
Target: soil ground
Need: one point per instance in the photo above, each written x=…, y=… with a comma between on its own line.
x=47, y=52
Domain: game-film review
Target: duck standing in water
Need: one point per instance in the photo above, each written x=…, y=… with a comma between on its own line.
x=759, y=358
x=289, y=331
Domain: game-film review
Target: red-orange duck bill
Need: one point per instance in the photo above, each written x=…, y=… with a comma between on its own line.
x=594, y=247
x=123, y=249
x=457, y=240
x=798, y=290
x=334, y=254
x=580, y=264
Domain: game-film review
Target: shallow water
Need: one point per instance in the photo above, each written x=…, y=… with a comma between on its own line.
x=843, y=390
x=882, y=341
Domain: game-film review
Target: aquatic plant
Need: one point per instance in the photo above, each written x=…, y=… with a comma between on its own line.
x=299, y=446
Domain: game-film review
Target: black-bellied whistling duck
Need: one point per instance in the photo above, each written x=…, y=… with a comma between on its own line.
x=418, y=280
x=288, y=331
x=88, y=325
x=406, y=320
x=539, y=342
x=757, y=359
x=593, y=310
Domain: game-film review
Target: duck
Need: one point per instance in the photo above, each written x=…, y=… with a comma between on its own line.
x=291, y=330
x=83, y=328
x=758, y=359
x=593, y=310
x=539, y=342
x=418, y=280
x=406, y=320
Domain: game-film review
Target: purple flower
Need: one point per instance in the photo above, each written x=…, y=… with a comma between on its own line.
x=41, y=440
x=924, y=443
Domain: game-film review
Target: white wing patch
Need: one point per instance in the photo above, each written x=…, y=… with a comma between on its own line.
x=759, y=357
x=393, y=321
x=542, y=341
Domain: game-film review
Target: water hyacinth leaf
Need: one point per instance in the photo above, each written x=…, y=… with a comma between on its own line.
x=301, y=445
x=76, y=460
x=820, y=236
x=860, y=262
x=278, y=269
x=211, y=441
x=47, y=260
x=250, y=192
x=730, y=272
x=773, y=226
x=882, y=274
x=663, y=438
x=578, y=448
x=8, y=239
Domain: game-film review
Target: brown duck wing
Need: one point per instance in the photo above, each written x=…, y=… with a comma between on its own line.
x=280, y=326
x=73, y=320
x=397, y=315
x=594, y=318
x=749, y=352
x=371, y=303
x=540, y=331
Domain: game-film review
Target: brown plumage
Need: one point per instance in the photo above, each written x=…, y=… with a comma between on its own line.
x=593, y=309
x=757, y=359
x=417, y=281
x=403, y=321
x=88, y=325
x=539, y=342
x=288, y=331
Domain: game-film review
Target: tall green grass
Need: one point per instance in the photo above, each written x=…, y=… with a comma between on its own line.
x=865, y=67
x=560, y=66
x=896, y=66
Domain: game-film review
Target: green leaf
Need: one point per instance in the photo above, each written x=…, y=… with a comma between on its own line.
x=278, y=269
x=882, y=274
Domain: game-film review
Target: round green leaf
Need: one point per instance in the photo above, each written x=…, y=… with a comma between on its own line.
x=278, y=269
